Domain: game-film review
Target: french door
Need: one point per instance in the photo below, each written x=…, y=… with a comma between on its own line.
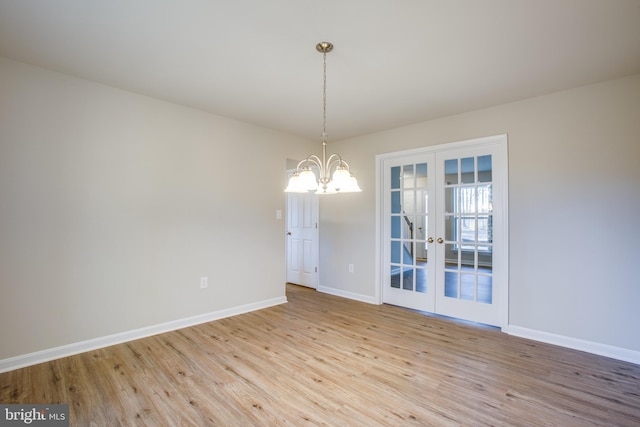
x=408, y=200
x=444, y=230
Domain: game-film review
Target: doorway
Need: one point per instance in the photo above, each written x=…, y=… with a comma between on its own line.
x=302, y=239
x=443, y=235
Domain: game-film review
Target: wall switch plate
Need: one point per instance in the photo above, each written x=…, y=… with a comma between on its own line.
x=350, y=268
x=204, y=282
x=278, y=214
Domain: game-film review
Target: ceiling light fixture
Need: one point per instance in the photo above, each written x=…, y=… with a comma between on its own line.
x=304, y=179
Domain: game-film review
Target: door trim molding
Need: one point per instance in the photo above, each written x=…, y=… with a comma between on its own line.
x=501, y=141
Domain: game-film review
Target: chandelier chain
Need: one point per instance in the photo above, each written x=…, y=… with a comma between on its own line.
x=324, y=97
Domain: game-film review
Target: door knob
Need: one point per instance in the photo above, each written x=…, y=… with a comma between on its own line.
x=430, y=240
x=288, y=233
x=440, y=240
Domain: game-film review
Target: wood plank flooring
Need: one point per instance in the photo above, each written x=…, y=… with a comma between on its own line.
x=325, y=360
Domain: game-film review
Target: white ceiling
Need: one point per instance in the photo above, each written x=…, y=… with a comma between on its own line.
x=395, y=62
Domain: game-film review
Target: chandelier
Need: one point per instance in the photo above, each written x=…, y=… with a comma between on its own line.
x=334, y=175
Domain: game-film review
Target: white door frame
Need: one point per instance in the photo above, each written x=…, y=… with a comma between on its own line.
x=502, y=143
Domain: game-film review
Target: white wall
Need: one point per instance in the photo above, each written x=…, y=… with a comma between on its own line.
x=113, y=205
x=574, y=194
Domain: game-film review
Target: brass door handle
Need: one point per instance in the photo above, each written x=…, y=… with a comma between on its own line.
x=430, y=240
x=440, y=240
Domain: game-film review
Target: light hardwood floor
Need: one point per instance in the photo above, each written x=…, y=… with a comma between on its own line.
x=324, y=360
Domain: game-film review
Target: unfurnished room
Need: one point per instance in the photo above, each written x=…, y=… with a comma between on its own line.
x=338, y=213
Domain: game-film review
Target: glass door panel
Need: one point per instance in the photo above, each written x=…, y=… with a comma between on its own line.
x=408, y=277
x=468, y=229
x=466, y=192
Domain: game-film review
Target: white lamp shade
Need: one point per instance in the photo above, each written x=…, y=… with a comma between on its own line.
x=308, y=180
x=294, y=185
x=351, y=186
x=340, y=178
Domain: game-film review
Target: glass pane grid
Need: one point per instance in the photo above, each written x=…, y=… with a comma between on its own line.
x=468, y=229
x=408, y=226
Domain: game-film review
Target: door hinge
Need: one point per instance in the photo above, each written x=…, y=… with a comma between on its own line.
x=316, y=225
x=316, y=269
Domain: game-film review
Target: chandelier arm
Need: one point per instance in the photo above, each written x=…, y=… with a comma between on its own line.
x=333, y=160
x=314, y=160
x=344, y=164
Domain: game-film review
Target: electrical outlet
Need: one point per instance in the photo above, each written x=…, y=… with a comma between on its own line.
x=204, y=282
x=350, y=268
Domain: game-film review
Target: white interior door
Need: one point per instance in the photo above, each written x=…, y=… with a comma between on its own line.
x=302, y=239
x=444, y=233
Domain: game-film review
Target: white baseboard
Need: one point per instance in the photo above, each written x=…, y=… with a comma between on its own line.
x=606, y=350
x=96, y=343
x=347, y=294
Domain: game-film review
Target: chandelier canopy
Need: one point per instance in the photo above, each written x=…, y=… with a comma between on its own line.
x=334, y=175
